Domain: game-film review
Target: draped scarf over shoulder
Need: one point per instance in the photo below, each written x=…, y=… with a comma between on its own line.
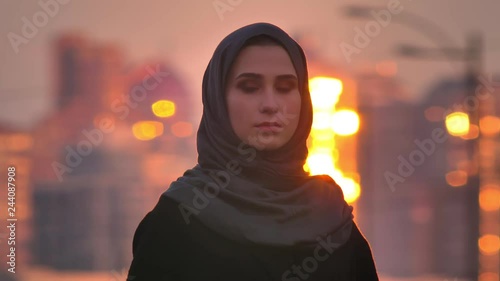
x=251, y=195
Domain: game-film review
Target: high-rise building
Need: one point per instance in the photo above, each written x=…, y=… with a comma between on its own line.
x=86, y=223
x=422, y=214
x=466, y=171
x=394, y=201
x=120, y=135
x=455, y=211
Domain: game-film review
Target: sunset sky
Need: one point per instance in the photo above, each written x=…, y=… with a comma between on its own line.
x=185, y=34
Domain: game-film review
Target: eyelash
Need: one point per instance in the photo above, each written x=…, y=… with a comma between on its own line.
x=250, y=89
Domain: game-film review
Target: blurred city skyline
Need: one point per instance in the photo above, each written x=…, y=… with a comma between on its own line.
x=100, y=103
x=184, y=34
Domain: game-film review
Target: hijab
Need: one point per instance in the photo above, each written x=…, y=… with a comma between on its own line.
x=258, y=196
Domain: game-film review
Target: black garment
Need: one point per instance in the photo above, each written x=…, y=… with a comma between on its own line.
x=166, y=248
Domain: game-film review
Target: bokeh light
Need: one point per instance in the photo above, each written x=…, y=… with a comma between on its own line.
x=489, y=276
x=472, y=133
x=457, y=124
x=319, y=163
x=163, y=108
x=323, y=153
x=489, y=198
x=345, y=122
x=489, y=244
x=350, y=188
x=456, y=178
x=147, y=130
x=325, y=92
x=489, y=125
x=321, y=120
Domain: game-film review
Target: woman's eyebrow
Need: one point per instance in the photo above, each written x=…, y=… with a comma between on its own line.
x=287, y=76
x=259, y=76
x=249, y=75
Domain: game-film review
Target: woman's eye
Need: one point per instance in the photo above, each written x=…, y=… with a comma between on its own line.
x=248, y=88
x=286, y=88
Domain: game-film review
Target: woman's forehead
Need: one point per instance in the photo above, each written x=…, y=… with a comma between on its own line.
x=264, y=60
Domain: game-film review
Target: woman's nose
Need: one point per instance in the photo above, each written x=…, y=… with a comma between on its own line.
x=269, y=102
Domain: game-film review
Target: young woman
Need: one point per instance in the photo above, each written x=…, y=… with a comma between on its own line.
x=247, y=210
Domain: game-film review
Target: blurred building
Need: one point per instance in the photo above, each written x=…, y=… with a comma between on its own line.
x=87, y=222
x=395, y=205
x=16, y=148
x=121, y=133
x=489, y=174
x=420, y=211
x=456, y=211
x=462, y=175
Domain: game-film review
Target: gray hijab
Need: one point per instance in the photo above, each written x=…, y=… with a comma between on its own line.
x=253, y=196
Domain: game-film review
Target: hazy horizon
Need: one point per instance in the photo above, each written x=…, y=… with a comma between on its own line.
x=184, y=34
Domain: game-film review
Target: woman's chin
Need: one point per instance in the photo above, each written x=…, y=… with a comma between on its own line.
x=270, y=146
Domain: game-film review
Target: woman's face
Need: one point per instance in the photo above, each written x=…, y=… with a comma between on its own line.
x=262, y=97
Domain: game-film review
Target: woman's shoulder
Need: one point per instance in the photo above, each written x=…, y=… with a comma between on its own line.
x=166, y=208
x=161, y=220
x=156, y=243
x=171, y=222
x=164, y=217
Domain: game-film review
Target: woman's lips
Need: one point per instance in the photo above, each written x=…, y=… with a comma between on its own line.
x=276, y=124
x=269, y=126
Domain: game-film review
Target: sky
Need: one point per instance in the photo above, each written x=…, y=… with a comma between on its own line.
x=185, y=33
